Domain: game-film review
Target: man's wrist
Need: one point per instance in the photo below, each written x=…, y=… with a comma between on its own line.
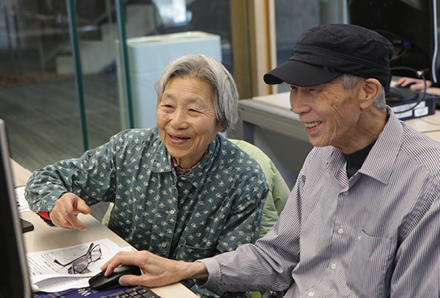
x=196, y=270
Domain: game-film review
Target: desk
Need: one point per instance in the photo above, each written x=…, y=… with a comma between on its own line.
x=45, y=237
x=269, y=119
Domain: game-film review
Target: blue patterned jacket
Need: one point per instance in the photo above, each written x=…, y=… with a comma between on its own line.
x=213, y=209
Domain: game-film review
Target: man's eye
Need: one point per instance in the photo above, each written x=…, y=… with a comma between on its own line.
x=314, y=90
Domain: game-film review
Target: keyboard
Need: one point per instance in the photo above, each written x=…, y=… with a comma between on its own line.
x=136, y=292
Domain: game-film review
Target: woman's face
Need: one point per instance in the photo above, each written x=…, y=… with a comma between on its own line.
x=186, y=119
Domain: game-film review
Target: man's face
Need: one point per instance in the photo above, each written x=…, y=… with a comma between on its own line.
x=329, y=112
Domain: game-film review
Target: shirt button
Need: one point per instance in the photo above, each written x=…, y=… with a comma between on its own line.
x=333, y=266
x=341, y=231
x=310, y=294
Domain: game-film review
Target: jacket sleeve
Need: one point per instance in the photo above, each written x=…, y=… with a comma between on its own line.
x=91, y=177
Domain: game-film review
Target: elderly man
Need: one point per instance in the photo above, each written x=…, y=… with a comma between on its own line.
x=363, y=219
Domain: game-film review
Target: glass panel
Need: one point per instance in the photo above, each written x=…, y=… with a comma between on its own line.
x=97, y=35
x=211, y=16
x=159, y=31
x=37, y=101
x=38, y=95
x=292, y=17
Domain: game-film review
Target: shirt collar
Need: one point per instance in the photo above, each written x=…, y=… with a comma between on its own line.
x=163, y=161
x=381, y=156
x=181, y=171
x=385, y=150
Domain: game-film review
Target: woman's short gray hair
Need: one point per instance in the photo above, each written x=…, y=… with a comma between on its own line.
x=210, y=70
x=349, y=82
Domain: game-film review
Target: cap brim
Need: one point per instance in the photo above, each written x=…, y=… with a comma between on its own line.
x=300, y=74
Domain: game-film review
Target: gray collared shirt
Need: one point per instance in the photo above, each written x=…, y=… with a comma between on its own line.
x=373, y=235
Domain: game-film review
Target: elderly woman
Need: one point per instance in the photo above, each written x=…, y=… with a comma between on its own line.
x=180, y=190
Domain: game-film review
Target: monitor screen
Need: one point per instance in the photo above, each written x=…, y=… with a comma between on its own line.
x=14, y=277
x=411, y=25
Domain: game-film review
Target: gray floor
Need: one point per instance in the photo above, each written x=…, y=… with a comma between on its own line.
x=43, y=120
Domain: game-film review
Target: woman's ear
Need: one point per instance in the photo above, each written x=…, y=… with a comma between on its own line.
x=370, y=91
x=221, y=127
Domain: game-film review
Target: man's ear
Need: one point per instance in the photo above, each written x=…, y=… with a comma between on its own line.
x=370, y=91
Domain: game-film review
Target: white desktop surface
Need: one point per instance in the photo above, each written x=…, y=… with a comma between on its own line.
x=44, y=237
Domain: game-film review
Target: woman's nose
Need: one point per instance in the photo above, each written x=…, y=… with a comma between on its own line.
x=179, y=120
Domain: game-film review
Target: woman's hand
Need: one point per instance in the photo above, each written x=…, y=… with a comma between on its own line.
x=64, y=212
x=156, y=271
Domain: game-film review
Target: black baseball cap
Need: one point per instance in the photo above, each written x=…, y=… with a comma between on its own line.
x=325, y=52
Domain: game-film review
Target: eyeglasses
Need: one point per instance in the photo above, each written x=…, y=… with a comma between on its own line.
x=80, y=264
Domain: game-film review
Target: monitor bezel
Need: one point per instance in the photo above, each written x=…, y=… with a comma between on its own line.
x=16, y=242
x=431, y=12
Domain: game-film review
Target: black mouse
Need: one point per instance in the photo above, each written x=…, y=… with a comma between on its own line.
x=406, y=86
x=100, y=282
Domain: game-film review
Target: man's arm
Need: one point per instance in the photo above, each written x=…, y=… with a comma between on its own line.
x=156, y=271
x=417, y=269
x=267, y=267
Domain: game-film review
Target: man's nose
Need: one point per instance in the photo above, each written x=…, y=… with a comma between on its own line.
x=298, y=101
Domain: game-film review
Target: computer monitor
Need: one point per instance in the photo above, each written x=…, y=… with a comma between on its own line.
x=411, y=25
x=14, y=276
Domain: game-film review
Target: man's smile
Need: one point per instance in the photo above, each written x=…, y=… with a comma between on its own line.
x=312, y=124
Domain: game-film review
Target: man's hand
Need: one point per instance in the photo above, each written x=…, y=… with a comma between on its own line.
x=65, y=210
x=156, y=271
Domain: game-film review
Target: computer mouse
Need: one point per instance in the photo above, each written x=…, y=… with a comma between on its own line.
x=100, y=282
x=407, y=86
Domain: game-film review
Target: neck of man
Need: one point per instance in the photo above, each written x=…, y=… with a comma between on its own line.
x=370, y=125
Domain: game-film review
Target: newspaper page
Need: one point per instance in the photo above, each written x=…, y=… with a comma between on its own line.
x=48, y=275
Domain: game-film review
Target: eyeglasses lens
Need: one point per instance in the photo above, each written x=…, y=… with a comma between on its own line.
x=81, y=264
x=96, y=253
